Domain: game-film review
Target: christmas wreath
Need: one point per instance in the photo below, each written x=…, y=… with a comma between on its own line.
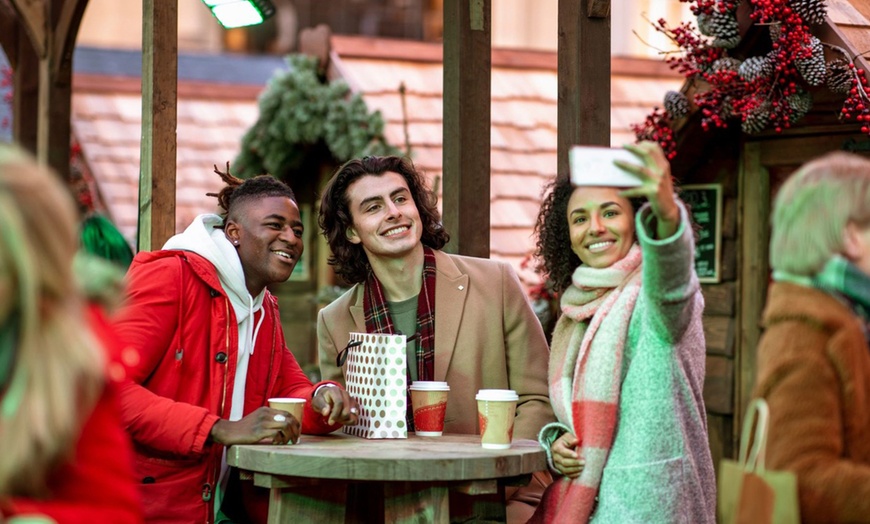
x=767, y=91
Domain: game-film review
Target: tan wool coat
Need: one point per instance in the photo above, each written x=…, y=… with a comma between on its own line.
x=814, y=372
x=486, y=336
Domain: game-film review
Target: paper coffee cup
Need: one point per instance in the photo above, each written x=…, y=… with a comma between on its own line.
x=294, y=406
x=495, y=413
x=429, y=402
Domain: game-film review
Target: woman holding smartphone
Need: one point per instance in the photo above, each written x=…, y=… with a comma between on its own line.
x=627, y=357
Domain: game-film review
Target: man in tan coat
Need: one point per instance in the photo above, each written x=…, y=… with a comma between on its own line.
x=468, y=319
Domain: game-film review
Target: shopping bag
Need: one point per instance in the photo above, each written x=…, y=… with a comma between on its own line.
x=750, y=493
x=376, y=376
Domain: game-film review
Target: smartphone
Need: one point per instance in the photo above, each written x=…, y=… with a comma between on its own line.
x=593, y=166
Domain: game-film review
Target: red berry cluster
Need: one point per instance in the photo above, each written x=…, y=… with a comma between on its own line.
x=657, y=128
x=765, y=98
x=857, y=104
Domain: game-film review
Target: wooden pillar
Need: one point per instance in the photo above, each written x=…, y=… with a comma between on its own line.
x=25, y=94
x=584, y=76
x=159, y=119
x=43, y=77
x=753, y=224
x=467, y=88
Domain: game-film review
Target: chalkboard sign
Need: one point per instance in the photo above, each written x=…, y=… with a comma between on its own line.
x=705, y=204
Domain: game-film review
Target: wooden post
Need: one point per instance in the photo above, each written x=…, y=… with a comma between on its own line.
x=753, y=224
x=584, y=76
x=467, y=97
x=25, y=92
x=159, y=119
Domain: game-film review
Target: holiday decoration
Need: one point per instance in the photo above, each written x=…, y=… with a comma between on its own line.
x=299, y=114
x=768, y=91
x=676, y=104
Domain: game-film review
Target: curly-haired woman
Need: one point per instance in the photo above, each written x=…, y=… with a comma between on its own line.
x=627, y=356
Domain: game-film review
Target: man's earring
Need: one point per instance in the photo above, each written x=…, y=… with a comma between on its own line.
x=235, y=242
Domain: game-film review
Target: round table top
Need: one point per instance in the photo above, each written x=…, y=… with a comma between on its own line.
x=340, y=456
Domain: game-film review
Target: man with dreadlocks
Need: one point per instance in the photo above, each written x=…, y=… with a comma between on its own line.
x=212, y=353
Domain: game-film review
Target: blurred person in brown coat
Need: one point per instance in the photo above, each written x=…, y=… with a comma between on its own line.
x=814, y=359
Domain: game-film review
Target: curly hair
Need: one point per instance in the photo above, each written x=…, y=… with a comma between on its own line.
x=556, y=260
x=349, y=259
x=237, y=190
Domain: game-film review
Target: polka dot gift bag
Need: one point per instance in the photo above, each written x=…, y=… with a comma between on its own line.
x=376, y=377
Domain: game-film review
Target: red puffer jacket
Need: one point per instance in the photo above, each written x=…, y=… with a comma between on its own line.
x=183, y=325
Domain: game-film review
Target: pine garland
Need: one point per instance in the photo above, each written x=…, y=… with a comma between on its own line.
x=299, y=111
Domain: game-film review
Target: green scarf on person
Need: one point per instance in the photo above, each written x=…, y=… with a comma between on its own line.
x=841, y=279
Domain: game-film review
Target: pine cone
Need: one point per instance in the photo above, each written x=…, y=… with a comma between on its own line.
x=726, y=63
x=800, y=104
x=756, y=120
x=812, y=12
x=813, y=68
x=840, y=76
x=755, y=67
x=704, y=24
x=726, y=43
x=775, y=31
x=723, y=26
x=676, y=104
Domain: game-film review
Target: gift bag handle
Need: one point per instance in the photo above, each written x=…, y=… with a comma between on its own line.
x=758, y=415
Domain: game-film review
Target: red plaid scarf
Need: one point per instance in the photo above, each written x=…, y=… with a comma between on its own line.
x=377, y=315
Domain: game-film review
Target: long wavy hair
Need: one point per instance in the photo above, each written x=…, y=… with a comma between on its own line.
x=349, y=259
x=556, y=261
x=56, y=367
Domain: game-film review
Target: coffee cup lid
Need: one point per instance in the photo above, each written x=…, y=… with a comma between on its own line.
x=429, y=385
x=288, y=400
x=497, y=394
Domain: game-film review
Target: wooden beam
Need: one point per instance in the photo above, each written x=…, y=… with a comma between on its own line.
x=9, y=29
x=753, y=224
x=25, y=94
x=66, y=29
x=467, y=98
x=159, y=119
x=598, y=9
x=33, y=16
x=583, y=79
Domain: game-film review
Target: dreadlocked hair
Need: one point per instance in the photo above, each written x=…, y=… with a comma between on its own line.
x=238, y=190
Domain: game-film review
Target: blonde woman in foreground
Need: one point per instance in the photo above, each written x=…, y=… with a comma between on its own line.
x=65, y=457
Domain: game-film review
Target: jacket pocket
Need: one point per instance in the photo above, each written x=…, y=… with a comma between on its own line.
x=172, y=487
x=642, y=493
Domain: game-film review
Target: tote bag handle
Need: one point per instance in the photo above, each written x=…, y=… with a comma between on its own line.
x=758, y=414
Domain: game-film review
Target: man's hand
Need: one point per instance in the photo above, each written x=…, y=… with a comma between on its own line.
x=335, y=403
x=265, y=425
x=565, y=456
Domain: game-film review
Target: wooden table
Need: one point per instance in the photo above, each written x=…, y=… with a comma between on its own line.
x=341, y=478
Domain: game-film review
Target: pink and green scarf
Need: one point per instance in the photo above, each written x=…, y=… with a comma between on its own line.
x=586, y=376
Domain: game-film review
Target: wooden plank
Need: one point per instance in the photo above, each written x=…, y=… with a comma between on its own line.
x=408, y=503
x=32, y=14
x=719, y=385
x=729, y=219
x=583, y=80
x=67, y=17
x=598, y=8
x=719, y=299
x=754, y=274
x=796, y=151
x=307, y=504
x=25, y=92
x=57, y=133
x=719, y=335
x=159, y=118
x=720, y=437
x=467, y=120
x=9, y=29
x=729, y=260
